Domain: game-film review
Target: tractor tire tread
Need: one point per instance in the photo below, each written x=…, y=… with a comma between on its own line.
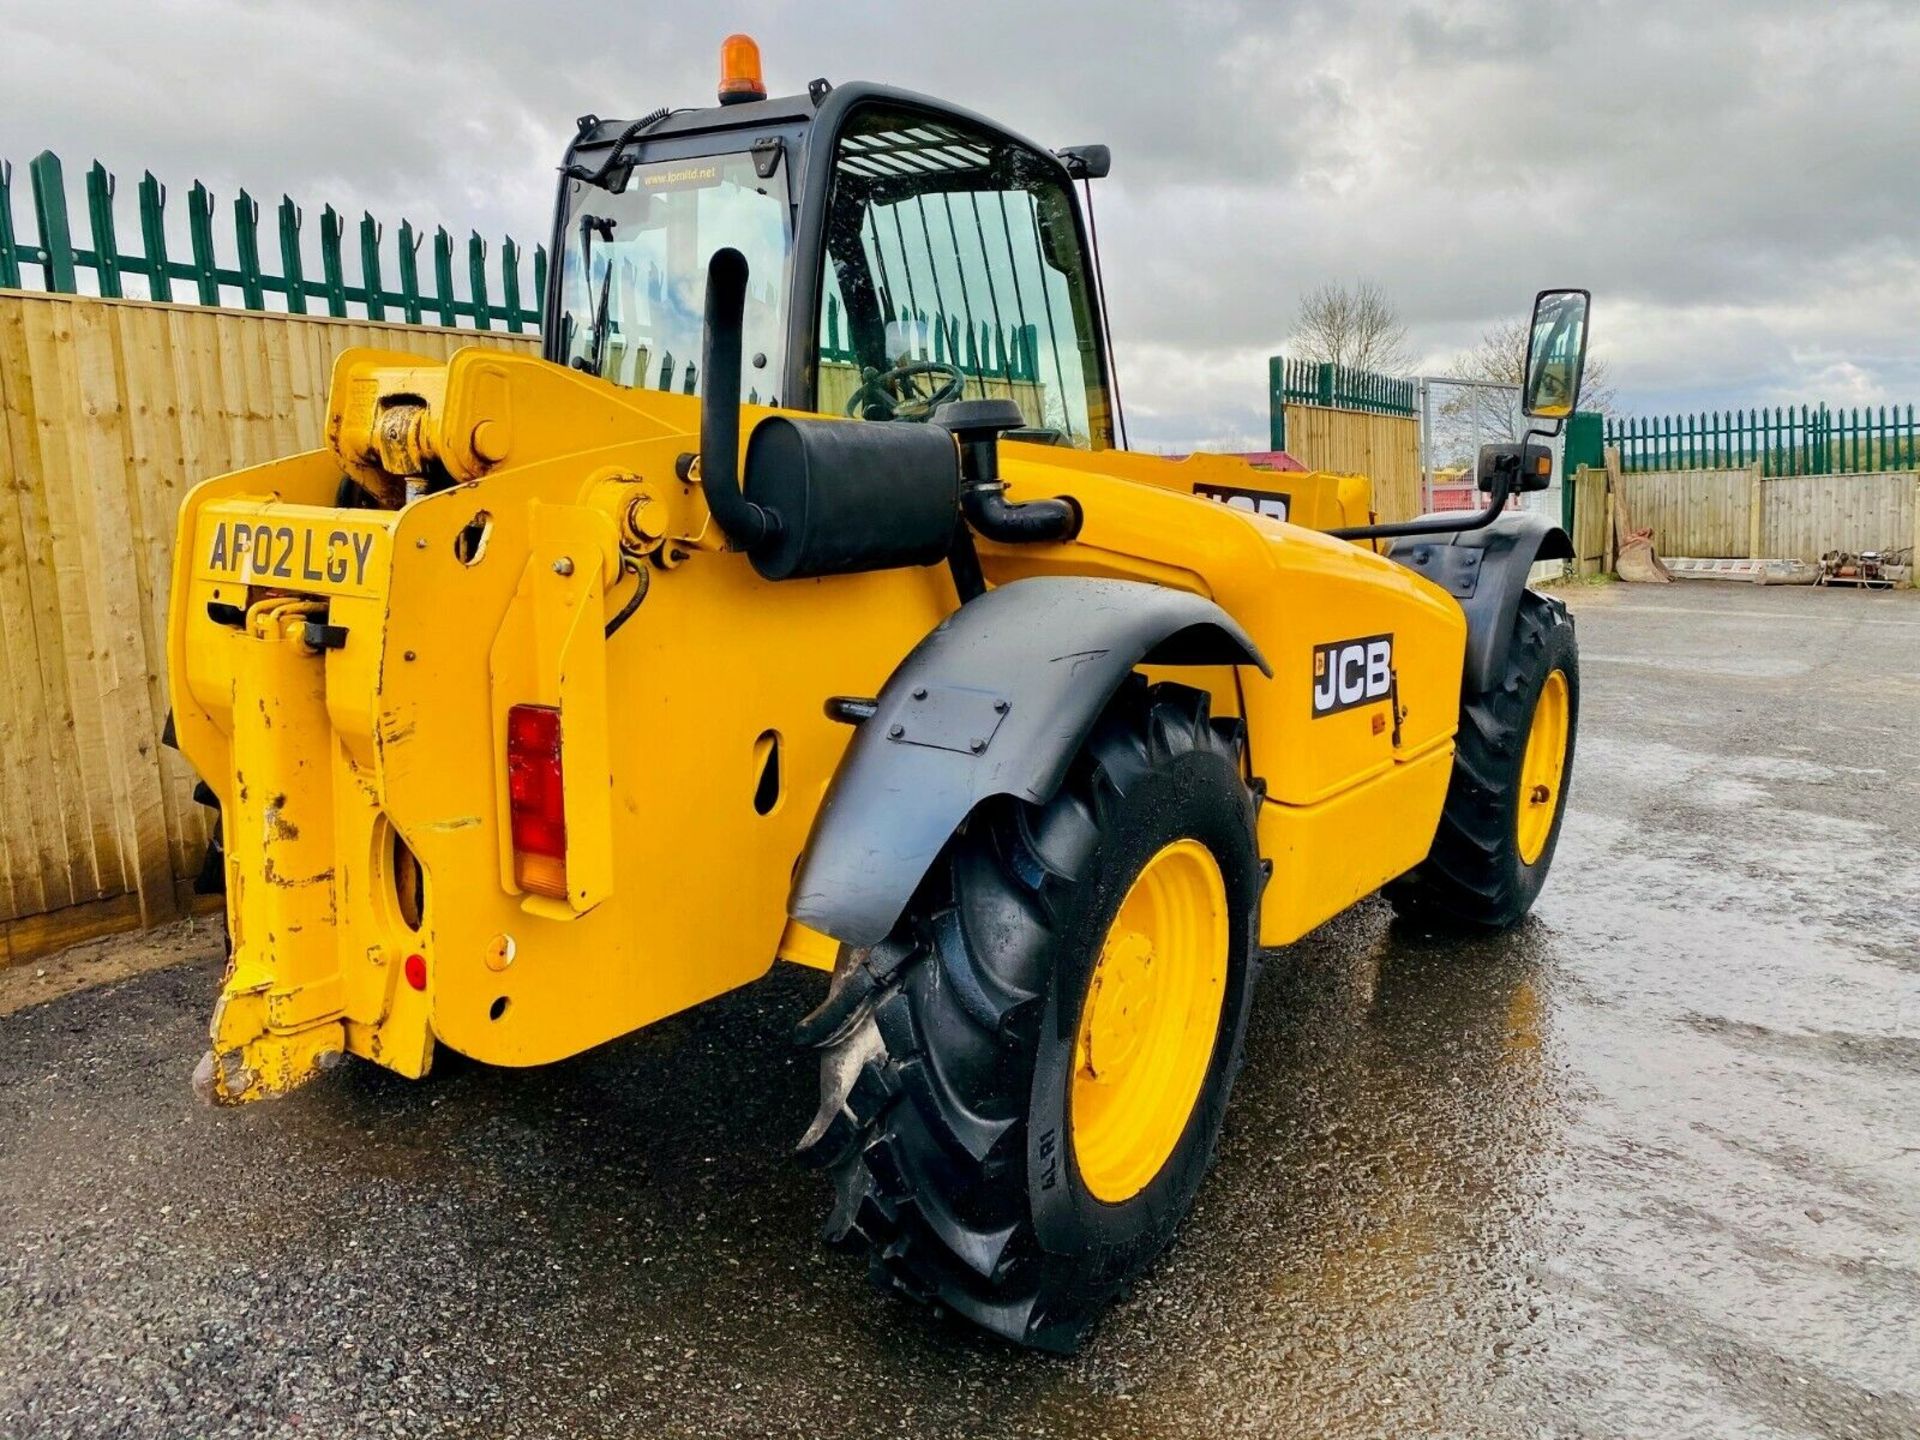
x=932, y=1181
x=1471, y=876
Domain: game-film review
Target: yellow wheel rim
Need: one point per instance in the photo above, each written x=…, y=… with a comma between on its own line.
x=1543, y=768
x=1148, y=1022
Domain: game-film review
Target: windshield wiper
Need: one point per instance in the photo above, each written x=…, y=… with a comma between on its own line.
x=591, y=225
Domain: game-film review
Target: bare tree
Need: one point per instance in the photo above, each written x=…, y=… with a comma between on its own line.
x=1472, y=416
x=1350, y=325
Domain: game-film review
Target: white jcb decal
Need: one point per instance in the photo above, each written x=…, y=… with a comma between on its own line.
x=1351, y=672
x=1270, y=503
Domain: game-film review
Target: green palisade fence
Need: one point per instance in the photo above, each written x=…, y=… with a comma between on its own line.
x=1333, y=387
x=1781, y=440
x=248, y=280
x=1011, y=355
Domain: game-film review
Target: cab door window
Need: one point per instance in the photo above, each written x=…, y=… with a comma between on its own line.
x=953, y=267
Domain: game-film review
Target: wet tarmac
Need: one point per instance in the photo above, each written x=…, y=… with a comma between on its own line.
x=1647, y=1166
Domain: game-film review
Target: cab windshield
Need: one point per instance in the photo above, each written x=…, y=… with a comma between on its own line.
x=634, y=272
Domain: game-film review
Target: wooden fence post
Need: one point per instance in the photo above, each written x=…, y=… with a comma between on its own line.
x=1756, y=509
x=1616, y=505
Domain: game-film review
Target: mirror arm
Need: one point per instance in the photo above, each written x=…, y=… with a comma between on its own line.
x=1434, y=524
x=1501, y=492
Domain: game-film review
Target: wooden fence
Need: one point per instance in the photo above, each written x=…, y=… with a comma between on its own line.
x=1351, y=422
x=109, y=411
x=1803, y=517
x=1386, y=448
x=1738, y=514
x=1705, y=513
x=1589, y=520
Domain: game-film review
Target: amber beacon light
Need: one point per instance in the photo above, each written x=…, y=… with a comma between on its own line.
x=740, y=70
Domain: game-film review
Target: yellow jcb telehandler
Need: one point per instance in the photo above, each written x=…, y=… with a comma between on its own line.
x=800, y=603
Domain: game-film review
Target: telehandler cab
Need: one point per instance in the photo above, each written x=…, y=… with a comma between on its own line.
x=557, y=695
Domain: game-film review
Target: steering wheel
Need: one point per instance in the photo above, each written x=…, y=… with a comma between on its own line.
x=894, y=391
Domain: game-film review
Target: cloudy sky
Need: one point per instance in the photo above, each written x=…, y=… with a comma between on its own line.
x=1734, y=180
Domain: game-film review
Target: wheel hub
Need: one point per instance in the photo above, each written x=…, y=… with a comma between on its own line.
x=1148, y=1021
x=1118, y=999
x=1543, y=767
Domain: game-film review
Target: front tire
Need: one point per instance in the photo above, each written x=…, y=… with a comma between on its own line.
x=950, y=1096
x=1513, y=757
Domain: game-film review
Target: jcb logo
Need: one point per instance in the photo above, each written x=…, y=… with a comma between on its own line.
x=1274, y=504
x=1351, y=672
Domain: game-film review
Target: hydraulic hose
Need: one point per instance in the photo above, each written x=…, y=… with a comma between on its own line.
x=977, y=426
x=990, y=512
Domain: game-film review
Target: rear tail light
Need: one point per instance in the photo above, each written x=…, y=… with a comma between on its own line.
x=537, y=800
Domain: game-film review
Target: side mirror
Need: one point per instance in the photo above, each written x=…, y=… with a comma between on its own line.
x=1516, y=467
x=1556, y=354
x=1087, y=162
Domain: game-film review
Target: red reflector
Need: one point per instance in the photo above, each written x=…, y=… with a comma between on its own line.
x=536, y=799
x=416, y=970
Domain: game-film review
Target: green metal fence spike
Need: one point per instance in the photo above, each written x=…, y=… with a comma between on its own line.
x=206, y=271
x=409, y=256
x=153, y=237
x=9, y=247
x=510, y=284
x=246, y=244
x=539, y=285
x=293, y=273
x=333, y=274
x=477, y=281
x=376, y=298
x=443, y=274
x=106, y=253
x=1276, y=403
x=50, y=211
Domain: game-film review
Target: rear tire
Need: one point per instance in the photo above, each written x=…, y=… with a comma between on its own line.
x=1490, y=857
x=946, y=1111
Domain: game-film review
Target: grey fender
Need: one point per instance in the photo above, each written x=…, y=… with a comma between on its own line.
x=995, y=701
x=1486, y=571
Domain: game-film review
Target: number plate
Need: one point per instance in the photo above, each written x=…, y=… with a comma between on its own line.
x=296, y=548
